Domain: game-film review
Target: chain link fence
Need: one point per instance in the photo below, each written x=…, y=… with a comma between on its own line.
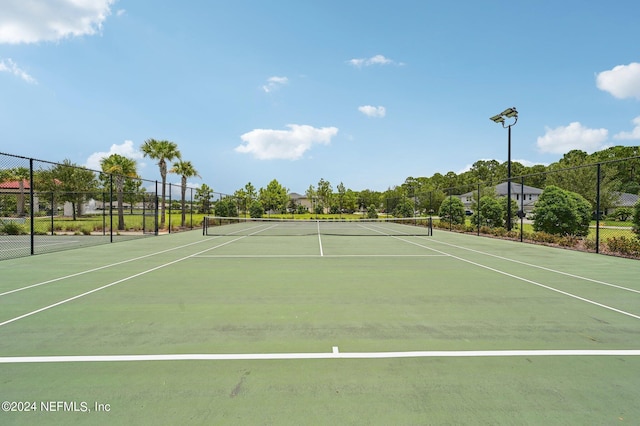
x=46, y=206
x=607, y=223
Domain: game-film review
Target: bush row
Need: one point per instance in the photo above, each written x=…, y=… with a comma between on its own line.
x=621, y=246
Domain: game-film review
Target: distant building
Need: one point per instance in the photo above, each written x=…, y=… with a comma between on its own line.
x=301, y=200
x=524, y=195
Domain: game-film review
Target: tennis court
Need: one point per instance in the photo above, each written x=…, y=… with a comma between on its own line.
x=269, y=323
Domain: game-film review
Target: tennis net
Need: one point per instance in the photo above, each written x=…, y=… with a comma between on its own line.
x=296, y=227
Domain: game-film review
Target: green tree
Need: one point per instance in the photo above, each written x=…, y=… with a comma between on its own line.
x=372, y=212
x=226, y=207
x=120, y=168
x=489, y=214
x=73, y=184
x=367, y=197
x=274, y=197
x=162, y=151
x=255, y=209
x=514, y=211
x=350, y=201
x=452, y=210
x=203, y=197
x=561, y=212
x=404, y=208
x=186, y=170
x=20, y=175
x=311, y=196
x=324, y=194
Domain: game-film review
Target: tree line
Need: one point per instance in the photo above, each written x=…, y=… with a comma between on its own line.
x=415, y=196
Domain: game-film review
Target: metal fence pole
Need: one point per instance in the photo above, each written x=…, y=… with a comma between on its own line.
x=598, y=210
x=111, y=208
x=478, y=216
x=31, y=209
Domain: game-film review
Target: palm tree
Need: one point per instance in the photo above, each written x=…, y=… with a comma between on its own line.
x=186, y=170
x=162, y=151
x=120, y=168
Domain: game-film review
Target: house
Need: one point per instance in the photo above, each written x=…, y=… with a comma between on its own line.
x=524, y=195
x=21, y=189
x=300, y=200
x=621, y=199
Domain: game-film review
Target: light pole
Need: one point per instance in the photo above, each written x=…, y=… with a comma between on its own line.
x=500, y=118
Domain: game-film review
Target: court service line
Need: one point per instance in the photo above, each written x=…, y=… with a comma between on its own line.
x=293, y=256
x=115, y=282
x=111, y=265
x=99, y=268
x=320, y=240
x=541, y=267
x=334, y=354
x=593, y=302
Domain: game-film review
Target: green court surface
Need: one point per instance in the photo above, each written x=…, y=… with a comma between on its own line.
x=320, y=329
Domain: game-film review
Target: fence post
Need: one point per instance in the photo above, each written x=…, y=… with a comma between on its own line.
x=53, y=200
x=598, y=211
x=521, y=209
x=191, y=207
x=104, y=213
x=157, y=210
x=31, y=209
x=478, y=215
x=110, y=208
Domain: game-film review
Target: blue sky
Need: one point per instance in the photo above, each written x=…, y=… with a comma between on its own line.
x=363, y=92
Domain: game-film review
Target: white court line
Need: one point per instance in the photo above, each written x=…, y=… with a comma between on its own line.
x=126, y=279
x=319, y=355
x=99, y=268
x=112, y=284
x=540, y=267
x=113, y=264
x=293, y=256
x=320, y=240
x=574, y=296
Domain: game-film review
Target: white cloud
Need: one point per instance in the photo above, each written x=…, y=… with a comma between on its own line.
x=574, y=136
x=126, y=149
x=623, y=81
x=28, y=21
x=374, y=60
x=274, y=83
x=268, y=144
x=372, y=111
x=7, y=65
x=633, y=134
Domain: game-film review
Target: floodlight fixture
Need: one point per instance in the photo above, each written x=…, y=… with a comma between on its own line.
x=510, y=113
x=500, y=118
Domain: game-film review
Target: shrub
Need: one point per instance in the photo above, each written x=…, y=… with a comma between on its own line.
x=561, y=212
x=372, y=213
x=452, y=210
x=489, y=214
x=624, y=245
x=256, y=210
x=636, y=219
x=623, y=213
x=12, y=228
